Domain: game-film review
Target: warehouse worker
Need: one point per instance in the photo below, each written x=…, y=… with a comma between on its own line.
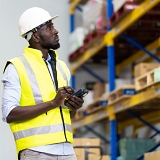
x=36, y=86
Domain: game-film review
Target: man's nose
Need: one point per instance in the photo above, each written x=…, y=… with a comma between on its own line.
x=56, y=31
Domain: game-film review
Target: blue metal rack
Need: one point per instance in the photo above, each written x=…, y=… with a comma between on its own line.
x=111, y=81
x=109, y=38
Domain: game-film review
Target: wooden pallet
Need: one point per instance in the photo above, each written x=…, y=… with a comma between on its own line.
x=146, y=80
x=122, y=93
x=97, y=104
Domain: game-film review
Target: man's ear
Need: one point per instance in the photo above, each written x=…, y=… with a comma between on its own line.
x=35, y=37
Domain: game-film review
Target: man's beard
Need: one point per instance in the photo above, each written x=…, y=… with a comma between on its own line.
x=51, y=46
x=48, y=45
x=55, y=46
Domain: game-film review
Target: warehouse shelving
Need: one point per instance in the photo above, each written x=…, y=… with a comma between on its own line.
x=136, y=105
x=153, y=47
x=121, y=106
x=116, y=31
x=131, y=18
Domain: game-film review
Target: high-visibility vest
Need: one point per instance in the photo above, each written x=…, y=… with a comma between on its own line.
x=37, y=87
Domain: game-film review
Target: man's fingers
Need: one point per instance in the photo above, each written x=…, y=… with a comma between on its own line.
x=71, y=107
x=74, y=103
x=80, y=100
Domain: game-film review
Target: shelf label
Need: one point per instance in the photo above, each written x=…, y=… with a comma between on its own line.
x=102, y=114
x=118, y=107
x=157, y=91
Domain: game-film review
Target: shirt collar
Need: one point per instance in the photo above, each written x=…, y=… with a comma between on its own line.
x=37, y=53
x=48, y=58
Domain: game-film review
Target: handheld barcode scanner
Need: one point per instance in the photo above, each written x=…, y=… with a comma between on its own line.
x=80, y=93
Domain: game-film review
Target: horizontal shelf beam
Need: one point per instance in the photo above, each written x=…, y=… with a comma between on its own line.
x=94, y=49
x=97, y=116
x=143, y=97
x=151, y=47
x=152, y=118
x=131, y=18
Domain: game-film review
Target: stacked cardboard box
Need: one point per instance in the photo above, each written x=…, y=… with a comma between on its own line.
x=91, y=152
x=93, y=157
x=152, y=156
x=98, y=89
x=143, y=68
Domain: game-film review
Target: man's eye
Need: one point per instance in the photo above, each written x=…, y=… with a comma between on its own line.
x=51, y=27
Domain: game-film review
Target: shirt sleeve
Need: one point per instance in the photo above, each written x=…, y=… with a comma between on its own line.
x=11, y=91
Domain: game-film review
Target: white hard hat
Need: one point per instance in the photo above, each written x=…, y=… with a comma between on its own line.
x=32, y=18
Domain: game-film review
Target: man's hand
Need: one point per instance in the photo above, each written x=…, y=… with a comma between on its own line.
x=73, y=104
x=62, y=94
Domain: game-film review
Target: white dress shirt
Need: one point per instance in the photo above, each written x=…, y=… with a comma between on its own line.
x=11, y=98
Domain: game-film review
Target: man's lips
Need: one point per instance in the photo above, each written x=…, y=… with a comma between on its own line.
x=57, y=38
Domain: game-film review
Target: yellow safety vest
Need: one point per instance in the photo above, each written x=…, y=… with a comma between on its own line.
x=37, y=87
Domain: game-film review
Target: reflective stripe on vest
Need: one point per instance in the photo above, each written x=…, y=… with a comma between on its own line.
x=33, y=82
x=41, y=130
x=62, y=72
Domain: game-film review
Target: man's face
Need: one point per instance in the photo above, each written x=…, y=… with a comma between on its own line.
x=49, y=38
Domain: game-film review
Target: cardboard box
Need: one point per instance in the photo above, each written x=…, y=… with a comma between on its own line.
x=143, y=68
x=90, y=142
x=86, y=141
x=80, y=158
x=104, y=157
x=93, y=157
x=98, y=89
x=77, y=141
x=83, y=151
x=80, y=152
x=152, y=155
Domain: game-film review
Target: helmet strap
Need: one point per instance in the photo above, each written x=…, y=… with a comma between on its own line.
x=28, y=36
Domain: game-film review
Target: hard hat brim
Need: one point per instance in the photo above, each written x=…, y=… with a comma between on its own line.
x=46, y=21
x=54, y=17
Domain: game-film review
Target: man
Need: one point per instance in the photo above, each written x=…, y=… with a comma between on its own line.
x=35, y=93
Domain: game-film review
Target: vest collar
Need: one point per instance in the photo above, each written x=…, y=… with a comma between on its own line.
x=35, y=53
